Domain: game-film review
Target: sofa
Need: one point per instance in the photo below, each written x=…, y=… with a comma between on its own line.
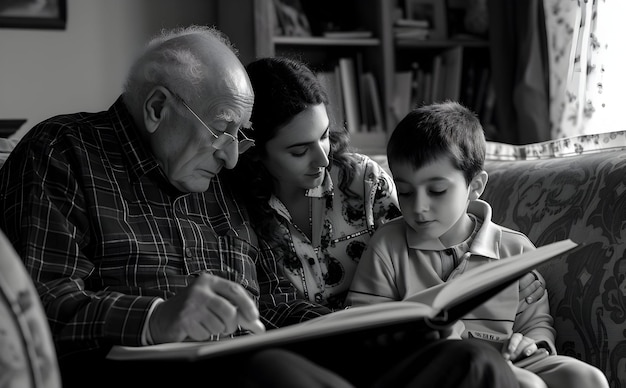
x=572, y=188
x=567, y=188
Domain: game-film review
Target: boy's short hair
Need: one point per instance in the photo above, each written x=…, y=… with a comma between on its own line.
x=440, y=129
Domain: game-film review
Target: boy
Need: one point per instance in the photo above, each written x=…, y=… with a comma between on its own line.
x=436, y=155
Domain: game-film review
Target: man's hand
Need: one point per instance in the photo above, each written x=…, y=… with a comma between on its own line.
x=209, y=305
x=518, y=346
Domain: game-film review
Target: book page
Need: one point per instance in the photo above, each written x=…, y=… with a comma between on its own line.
x=420, y=308
x=344, y=321
x=477, y=280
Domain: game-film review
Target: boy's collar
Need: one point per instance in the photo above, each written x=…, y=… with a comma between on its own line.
x=485, y=243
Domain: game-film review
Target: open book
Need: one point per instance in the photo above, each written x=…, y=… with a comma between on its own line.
x=436, y=308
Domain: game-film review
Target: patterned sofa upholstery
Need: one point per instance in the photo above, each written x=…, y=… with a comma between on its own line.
x=573, y=188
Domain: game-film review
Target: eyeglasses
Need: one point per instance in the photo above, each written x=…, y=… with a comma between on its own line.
x=224, y=139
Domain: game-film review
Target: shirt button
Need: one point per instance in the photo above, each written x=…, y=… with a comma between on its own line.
x=188, y=252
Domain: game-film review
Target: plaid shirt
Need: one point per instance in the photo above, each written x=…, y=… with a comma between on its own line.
x=104, y=234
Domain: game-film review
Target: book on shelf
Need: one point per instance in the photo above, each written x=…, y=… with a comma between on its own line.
x=349, y=87
x=356, y=34
x=373, y=106
x=437, y=85
x=410, y=33
x=402, y=98
x=486, y=117
x=415, y=23
x=481, y=91
x=453, y=68
x=360, y=91
x=409, y=29
x=417, y=83
x=468, y=87
x=428, y=88
x=331, y=82
x=436, y=308
x=419, y=97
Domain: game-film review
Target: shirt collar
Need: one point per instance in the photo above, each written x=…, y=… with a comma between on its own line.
x=485, y=243
x=324, y=189
x=134, y=150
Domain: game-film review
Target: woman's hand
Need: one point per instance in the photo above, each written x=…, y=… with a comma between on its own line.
x=531, y=288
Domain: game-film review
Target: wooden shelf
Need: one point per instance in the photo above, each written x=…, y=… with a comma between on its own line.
x=321, y=41
x=426, y=43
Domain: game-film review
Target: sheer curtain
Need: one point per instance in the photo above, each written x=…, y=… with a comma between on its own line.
x=587, y=64
x=558, y=67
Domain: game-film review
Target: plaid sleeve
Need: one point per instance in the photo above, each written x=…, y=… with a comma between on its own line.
x=44, y=215
x=279, y=304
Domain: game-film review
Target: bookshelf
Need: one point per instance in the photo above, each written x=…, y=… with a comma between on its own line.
x=456, y=69
x=255, y=29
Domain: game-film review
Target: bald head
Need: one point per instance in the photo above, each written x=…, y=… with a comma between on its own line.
x=191, y=61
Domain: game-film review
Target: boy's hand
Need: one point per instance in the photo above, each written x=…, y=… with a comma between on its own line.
x=518, y=347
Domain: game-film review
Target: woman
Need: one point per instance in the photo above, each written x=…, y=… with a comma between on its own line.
x=312, y=200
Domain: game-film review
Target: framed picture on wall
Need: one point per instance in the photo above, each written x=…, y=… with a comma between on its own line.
x=49, y=14
x=9, y=127
x=433, y=11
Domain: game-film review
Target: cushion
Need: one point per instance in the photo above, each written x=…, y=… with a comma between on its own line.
x=570, y=146
x=6, y=146
x=28, y=356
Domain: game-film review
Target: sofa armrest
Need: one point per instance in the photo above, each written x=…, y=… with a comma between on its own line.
x=582, y=197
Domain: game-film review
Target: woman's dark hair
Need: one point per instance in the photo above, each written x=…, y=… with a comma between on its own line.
x=283, y=88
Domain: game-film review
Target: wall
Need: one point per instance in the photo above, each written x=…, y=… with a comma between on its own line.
x=82, y=68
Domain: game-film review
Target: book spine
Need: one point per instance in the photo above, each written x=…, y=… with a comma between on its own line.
x=349, y=92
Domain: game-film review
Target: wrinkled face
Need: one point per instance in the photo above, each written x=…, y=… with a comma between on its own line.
x=185, y=147
x=298, y=155
x=433, y=199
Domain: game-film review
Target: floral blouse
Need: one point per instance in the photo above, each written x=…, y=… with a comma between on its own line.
x=321, y=268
